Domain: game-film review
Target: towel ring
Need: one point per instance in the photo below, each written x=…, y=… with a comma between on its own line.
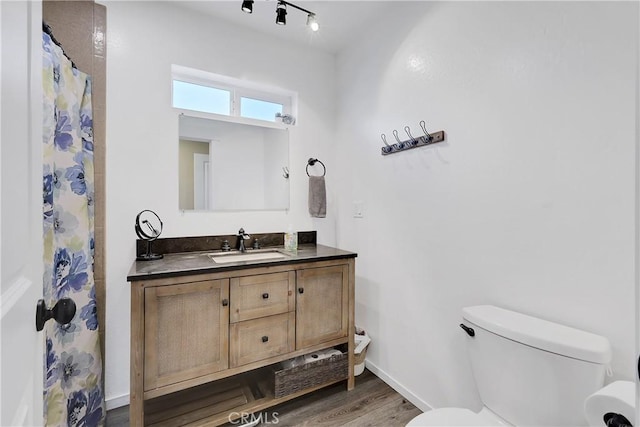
x=312, y=162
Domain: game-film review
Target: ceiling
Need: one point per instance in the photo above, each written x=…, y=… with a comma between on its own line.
x=340, y=21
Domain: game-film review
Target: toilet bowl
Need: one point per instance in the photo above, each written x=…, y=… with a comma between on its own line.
x=617, y=398
x=457, y=417
x=528, y=371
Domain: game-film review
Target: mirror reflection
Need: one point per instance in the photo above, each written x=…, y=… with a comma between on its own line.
x=225, y=166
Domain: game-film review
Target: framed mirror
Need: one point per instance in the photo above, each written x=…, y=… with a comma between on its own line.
x=227, y=166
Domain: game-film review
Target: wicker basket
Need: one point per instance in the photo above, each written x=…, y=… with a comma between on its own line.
x=309, y=375
x=359, y=357
x=362, y=343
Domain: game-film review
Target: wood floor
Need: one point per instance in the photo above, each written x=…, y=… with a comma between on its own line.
x=371, y=403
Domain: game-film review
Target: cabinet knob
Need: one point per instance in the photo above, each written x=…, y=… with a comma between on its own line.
x=225, y=302
x=265, y=338
x=301, y=290
x=265, y=295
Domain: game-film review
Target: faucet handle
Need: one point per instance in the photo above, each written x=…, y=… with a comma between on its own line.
x=225, y=246
x=241, y=232
x=256, y=243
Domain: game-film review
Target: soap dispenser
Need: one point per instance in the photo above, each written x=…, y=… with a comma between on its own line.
x=291, y=240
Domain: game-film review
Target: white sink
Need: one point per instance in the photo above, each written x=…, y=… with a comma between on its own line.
x=223, y=258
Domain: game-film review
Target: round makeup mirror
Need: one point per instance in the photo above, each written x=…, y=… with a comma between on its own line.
x=148, y=228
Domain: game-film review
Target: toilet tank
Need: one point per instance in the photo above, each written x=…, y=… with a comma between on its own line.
x=532, y=372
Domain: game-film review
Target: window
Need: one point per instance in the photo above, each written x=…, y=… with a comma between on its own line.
x=215, y=94
x=201, y=98
x=258, y=109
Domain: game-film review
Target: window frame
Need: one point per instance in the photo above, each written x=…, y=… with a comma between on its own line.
x=238, y=89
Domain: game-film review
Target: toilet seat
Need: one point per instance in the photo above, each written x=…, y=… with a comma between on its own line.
x=456, y=417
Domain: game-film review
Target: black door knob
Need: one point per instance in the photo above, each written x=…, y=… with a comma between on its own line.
x=265, y=296
x=301, y=290
x=265, y=338
x=62, y=312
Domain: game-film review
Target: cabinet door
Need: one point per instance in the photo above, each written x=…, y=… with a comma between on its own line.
x=186, y=331
x=322, y=305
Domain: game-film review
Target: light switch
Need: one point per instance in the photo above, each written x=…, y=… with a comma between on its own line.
x=358, y=209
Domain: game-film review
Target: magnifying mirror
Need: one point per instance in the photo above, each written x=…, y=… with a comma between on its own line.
x=148, y=228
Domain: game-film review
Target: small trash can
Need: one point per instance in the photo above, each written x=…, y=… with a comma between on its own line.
x=361, y=343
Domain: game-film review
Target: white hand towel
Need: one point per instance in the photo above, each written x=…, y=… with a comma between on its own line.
x=317, y=197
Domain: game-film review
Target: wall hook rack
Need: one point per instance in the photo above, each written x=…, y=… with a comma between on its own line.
x=421, y=141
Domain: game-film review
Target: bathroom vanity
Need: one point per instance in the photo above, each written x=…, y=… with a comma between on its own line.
x=207, y=337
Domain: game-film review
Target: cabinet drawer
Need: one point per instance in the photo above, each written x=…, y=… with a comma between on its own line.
x=258, y=339
x=262, y=295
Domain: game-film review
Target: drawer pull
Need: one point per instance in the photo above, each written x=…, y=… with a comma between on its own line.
x=265, y=338
x=301, y=290
x=265, y=296
x=225, y=302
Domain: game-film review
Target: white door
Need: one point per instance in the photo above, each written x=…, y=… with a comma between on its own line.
x=21, y=349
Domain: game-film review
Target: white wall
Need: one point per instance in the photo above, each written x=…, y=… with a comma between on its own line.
x=528, y=205
x=144, y=39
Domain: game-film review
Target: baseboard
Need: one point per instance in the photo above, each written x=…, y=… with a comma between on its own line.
x=117, y=402
x=406, y=393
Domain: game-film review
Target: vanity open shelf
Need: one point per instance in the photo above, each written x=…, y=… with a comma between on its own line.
x=206, y=343
x=229, y=399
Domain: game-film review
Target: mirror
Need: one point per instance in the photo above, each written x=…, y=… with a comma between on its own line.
x=225, y=166
x=148, y=228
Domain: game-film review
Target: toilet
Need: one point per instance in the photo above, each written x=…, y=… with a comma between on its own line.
x=528, y=371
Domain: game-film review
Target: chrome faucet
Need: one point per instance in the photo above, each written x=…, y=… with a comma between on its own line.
x=242, y=236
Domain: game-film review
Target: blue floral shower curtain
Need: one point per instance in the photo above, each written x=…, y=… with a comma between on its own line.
x=73, y=389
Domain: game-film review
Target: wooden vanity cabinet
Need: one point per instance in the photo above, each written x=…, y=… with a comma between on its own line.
x=203, y=345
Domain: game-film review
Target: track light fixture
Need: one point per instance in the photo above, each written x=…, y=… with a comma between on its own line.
x=281, y=13
x=312, y=22
x=247, y=6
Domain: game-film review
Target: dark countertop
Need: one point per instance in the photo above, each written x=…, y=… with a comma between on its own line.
x=188, y=263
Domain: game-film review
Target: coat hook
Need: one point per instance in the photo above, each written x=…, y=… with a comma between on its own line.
x=423, y=125
x=407, y=129
x=400, y=143
x=387, y=148
x=286, y=172
x=411, y=142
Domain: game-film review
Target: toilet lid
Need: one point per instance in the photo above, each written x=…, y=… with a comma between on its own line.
x=450, y=417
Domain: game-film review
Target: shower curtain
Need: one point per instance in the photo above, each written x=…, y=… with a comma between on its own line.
x=73, y=386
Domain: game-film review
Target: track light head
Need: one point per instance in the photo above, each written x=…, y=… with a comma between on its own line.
x=247, y=6
x=281, y=14
x=312, y=22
